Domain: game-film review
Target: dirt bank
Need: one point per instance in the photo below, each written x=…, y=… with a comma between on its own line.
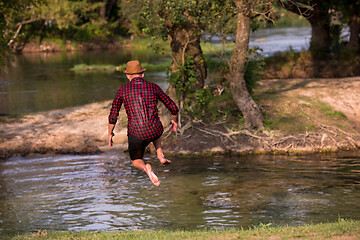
x=303, y=65
x=304, y=115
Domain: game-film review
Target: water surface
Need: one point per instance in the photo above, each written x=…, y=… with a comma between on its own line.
x=103, y=192
x=44, y=81
x=36, y=82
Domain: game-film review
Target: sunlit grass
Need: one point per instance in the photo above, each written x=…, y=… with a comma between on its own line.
x=149, y=46
x=216, y=56
x=342, y=228
x=85, y=68
x=157, y=67
x=324, y=108
x=93, y=68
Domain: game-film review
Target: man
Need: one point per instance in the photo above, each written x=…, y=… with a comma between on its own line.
x=140, y=98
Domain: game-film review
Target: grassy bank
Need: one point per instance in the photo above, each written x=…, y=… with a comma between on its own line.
x=281, y=65
x=343, y=229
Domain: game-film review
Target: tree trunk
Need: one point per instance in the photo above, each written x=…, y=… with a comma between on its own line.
x=185, y=42
x=107, y=8
x=318, y=18
x=354, y=24
x=320, y=29
x=103, y=10
x=249, y=109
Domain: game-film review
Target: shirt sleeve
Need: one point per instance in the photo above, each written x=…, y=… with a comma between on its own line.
x=116, y=105
x=166, y=100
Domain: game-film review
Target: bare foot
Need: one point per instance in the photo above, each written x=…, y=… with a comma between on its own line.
x=162, y=159
x=153, y=178
x=165, y=161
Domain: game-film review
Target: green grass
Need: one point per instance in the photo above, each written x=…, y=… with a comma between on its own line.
x=222, y=107
x=288, y=119
x=84, y=68
x=80, y=68
x=289, y=123
x=342, y=228
x=158, y=67
x=324, y=108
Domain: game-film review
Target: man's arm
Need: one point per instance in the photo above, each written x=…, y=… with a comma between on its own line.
x=166, y=100
x=114, y=113
x=111, y=133
x=171, y=106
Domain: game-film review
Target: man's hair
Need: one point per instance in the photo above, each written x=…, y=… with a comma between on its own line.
x=131, y=76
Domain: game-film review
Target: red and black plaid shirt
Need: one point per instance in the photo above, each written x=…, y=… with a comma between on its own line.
x=140, y=98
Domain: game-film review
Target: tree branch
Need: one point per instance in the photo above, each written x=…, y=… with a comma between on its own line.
x=20, y=24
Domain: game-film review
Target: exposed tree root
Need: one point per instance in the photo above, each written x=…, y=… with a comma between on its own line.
x=325, y=137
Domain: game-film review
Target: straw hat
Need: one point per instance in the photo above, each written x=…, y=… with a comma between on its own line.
x=134, y=67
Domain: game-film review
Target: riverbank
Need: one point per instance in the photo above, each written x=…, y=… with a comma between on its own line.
x=281, y=64
x=301, y=116
x=60, y=45
x=343, y=229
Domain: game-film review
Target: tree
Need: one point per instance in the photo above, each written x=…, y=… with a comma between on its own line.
x=66, y=19
x=354, y=24
x=350, y=11
x=317, y=12
x=245, y=10
x=182, y=24
x=10, y=10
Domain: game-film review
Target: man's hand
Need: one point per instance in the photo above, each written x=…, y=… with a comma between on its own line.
x=111, y=133
x=174, y=126
x=110, y=139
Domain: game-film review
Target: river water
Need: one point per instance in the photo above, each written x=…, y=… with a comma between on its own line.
x=103, y=192
x=44, y=81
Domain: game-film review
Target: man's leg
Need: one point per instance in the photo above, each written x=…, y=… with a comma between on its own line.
x=139, y=164
x=159, y=152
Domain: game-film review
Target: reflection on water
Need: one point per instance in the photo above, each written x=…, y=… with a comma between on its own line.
x=281, y=39
x=44, y=81
x=104, y=192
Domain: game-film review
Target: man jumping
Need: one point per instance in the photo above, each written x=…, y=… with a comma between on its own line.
x=140, y=98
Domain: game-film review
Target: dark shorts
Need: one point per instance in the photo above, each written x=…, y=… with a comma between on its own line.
x=137, y=146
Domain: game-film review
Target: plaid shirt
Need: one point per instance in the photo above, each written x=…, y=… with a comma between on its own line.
x=140, y=98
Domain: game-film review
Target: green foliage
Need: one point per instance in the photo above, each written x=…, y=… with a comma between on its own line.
x=79, y=20
x=268, y=123
x=10, y=12
x=195, y=101
x=282, y=58
x=282, y=18
x=84, y=20
x=254, y=68
x=155, y=17
x=184, y=77
x=223, y=108
x=203, y=97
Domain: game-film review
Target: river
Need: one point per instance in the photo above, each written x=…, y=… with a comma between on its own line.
x=104, y=193
x=35, y=82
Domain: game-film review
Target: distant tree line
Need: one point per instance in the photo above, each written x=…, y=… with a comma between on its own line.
x=182, y=23
x=327, y=19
